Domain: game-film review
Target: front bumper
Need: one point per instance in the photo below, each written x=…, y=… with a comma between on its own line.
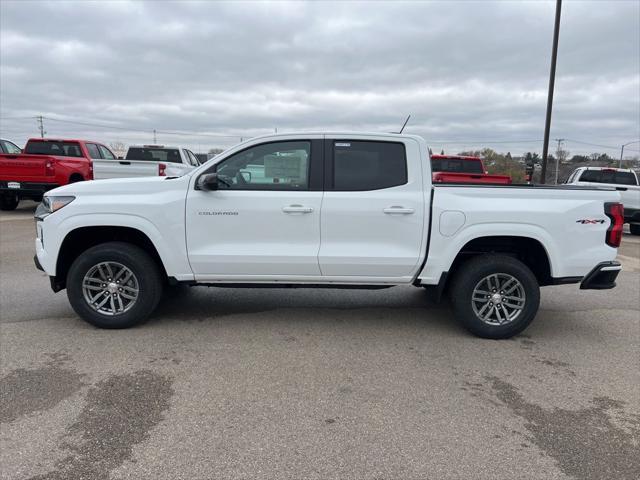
x=37, y=262
x=631, y=215
x=602, y=277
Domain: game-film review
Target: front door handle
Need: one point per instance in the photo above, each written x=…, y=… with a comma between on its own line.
x=297, y=209
x=398, y=210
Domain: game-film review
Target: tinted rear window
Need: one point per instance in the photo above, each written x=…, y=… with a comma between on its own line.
x=154, y=154
x=61, y=149
x=608, y=176
x=368, y=165
x=455, y=165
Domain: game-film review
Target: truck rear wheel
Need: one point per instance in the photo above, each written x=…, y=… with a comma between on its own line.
x=9, y=202
x=495, y=296
x=114, y=285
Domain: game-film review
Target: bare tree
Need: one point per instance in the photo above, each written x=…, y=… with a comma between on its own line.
x=119, y=148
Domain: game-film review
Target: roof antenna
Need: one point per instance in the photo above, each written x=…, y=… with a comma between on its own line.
x=404, y=124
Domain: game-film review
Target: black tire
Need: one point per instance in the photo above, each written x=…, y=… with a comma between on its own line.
x=634, y=229
x=474, y=271
x=9, y=202
x=145, y=271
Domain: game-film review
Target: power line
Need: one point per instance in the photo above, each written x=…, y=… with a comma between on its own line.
x=17, y=118
x=592, y=144
x=130, y=129
x=449, y=142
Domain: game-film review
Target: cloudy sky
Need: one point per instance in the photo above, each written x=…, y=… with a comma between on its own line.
x=470, y=73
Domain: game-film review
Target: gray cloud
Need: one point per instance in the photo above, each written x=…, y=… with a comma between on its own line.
x=469, y=73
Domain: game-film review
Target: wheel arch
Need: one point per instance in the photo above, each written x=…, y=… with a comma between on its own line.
x=81, y=239
x=528, y=250
x=76, y=177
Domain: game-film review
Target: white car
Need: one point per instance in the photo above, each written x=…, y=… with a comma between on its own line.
x=338, y=210
x=623, y=180
x=147, y=161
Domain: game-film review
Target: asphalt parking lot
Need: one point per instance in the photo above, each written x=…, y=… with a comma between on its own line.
x=319, y=384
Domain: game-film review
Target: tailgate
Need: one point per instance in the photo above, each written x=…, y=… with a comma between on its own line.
x=630, y=196
x=23, y=167
x=124, y=169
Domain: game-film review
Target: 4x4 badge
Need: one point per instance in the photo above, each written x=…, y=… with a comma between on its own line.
x=589, y=221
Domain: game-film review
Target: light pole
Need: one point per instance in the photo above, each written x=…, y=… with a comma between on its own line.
x=622, y=150
x=552, y=81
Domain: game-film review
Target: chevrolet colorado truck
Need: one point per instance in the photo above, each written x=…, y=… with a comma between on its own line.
x=463, y=169
x=44, y=165
x=147, y=161
x=622, y=179
x=341, y=210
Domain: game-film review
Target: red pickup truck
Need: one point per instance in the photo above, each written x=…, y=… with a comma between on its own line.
x=46, y=164
x=463, y=169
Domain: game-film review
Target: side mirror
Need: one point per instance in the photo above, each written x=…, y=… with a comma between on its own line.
x=207, y=181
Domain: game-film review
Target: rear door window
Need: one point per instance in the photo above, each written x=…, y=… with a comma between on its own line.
x=362, y=165
x=193, y=160
x=106, y=153
x=93, y=150
x=10, y=147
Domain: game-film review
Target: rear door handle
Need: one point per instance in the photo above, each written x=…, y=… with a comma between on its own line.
x=124, y=163
x=297, y=209
x=398, y=210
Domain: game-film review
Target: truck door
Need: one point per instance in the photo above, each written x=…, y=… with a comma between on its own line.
x=373, y=211
x=264, y=220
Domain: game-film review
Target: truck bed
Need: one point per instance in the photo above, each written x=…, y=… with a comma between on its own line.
x=551, y=214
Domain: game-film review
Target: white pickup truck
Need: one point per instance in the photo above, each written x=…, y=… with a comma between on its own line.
x=623, y=180
x=146, y=161
x=325, y=210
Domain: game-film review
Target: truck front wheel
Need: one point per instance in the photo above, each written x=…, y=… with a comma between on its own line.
x=9, y=202
x=634, y=228
x=495, y=296
x=114, y=285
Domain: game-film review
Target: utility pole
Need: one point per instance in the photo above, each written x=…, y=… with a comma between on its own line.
x=559, y=140
x=552, y=80
x=622, y=150
x=41, y=126
x=155, y=140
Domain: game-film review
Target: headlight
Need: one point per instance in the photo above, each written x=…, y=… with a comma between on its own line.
x=51, y=204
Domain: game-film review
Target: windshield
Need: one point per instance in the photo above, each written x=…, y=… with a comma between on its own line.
x=456, y=165
x=171, y=155
x=49, y=147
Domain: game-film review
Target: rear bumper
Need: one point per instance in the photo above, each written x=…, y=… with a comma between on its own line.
x=602, y=277
x=27, y=189
x=631, y=215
